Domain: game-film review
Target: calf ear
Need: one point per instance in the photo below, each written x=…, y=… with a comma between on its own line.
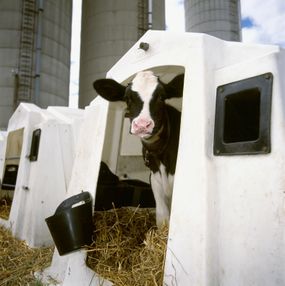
x=109, y=89
x=175, y=87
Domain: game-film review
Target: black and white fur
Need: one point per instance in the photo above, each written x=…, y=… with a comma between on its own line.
x=156, y=123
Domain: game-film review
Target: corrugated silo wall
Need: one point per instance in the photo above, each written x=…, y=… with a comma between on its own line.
x=10, y=24
x=109, y=29
x=54, y=54
x=56, y=46
x=219, y=18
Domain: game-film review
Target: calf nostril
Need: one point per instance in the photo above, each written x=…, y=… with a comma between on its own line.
x=148, y=124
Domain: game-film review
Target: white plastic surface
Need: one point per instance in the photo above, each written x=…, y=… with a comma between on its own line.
x=41, y=185
x=71, y=269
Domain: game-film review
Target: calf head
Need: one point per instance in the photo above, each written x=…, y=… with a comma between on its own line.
x=145, y=98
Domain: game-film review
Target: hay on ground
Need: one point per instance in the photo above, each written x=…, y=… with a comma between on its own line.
x=128, y=249
x=18, y=262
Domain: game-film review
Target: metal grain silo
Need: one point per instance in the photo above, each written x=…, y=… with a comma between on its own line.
x=219, y=18
x=35, y=40
x=109, y=29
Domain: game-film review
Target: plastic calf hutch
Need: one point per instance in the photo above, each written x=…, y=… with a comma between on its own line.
x=2, y=140
x=37, y=159
x=228, y=213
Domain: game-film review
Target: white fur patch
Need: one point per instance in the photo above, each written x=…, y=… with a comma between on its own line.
x=162, y=186
x=144, y=84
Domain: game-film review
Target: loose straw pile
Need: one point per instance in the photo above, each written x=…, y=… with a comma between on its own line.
x=128, y=249
x=18, y=262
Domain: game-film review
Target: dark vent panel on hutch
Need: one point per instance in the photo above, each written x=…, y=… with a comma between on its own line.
x=243, y=116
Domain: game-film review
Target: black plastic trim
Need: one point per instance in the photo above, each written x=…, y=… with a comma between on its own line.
x=252, y=94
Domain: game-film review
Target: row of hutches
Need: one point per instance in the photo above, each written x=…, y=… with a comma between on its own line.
x=227, y=223
x=37, y=155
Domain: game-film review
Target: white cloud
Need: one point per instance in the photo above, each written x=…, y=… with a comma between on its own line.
x=174, y=15
x=75, y=54
x=269, y=21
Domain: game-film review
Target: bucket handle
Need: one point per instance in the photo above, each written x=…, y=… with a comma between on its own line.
x=68, y=203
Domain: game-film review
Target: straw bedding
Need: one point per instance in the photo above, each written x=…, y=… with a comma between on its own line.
x=18, y=262
x=128, y=249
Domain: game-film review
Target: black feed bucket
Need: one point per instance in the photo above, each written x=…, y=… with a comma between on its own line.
x=72, y=227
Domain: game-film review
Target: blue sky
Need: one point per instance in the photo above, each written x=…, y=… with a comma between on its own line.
x=247, y=22
x=263, y=22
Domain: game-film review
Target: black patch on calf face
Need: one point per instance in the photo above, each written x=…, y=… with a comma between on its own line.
x=157, y=107
x=134, y=103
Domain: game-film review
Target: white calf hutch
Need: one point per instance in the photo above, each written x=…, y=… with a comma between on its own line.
x=2, y=140
x=36, y=162
x=227, y=224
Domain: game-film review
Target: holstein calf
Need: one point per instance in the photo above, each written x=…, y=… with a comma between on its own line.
x=156, y=123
